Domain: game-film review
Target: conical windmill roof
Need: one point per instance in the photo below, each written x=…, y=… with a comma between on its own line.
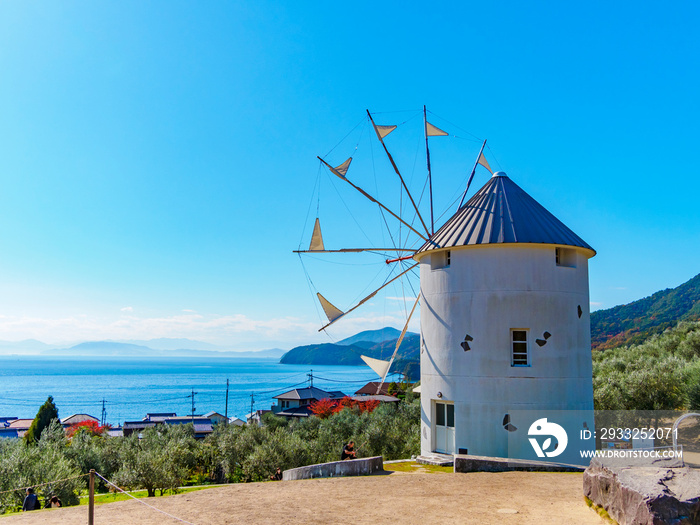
x=501, y=212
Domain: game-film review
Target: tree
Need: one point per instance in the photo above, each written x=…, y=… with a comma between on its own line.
x=47, y=413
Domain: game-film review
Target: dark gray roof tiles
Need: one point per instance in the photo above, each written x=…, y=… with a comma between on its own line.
x=502, y=213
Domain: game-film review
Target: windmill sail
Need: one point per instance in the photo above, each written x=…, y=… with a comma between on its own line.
x=484, y=163
x=434, y=131
x=380, y=366
x=316, y=238
x=331, y=311
x=343, y=168
x=383, y=131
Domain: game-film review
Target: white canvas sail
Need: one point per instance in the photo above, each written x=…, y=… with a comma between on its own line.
x=316, y=238
x=380, y=366
x=343, y=168
x=484, y=163
x=331, y=311
x=383, y=131
x=434, y=131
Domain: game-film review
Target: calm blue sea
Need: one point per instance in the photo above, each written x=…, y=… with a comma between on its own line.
x=131, y=387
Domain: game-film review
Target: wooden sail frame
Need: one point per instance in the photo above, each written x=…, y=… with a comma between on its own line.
x=363, y=192
x=396, y=169
x=367, y=298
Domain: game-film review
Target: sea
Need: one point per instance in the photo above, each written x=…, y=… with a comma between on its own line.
x=129, y=388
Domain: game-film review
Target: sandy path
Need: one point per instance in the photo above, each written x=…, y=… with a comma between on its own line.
x=418, y=498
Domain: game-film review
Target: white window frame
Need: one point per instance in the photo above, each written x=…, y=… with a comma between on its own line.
x=513, y=352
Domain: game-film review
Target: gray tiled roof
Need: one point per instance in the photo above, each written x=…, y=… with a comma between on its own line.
x=502, y=213
x=310, y=392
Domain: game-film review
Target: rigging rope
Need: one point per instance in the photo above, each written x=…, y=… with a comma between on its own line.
x=43, y=484
x=141, y=501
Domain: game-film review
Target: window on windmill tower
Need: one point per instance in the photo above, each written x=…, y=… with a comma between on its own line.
x=565, y=257
x=440, y=260
x=519, y=346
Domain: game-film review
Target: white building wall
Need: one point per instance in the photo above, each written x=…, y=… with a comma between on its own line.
x=485, y=292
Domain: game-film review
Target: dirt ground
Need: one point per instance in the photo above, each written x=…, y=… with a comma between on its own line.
x=406, y=498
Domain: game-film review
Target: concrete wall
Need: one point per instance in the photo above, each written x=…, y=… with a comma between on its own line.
x=487, y=291
x=349, y=467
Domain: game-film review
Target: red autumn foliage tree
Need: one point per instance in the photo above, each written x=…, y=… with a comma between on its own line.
x=323, y=408
x=326, y=407
x=91, y=427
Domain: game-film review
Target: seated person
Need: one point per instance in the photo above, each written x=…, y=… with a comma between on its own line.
x=348, y=451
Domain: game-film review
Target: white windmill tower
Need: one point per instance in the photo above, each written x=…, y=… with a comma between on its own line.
x=504, y=314
x=504, y=322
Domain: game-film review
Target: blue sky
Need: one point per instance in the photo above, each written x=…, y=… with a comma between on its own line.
x=158, y=159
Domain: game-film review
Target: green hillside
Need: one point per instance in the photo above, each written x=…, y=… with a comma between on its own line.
x=335, y=354
x=635, y=322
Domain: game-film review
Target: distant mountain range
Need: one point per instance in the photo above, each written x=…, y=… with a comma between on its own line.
x=113, y=348
x=162, y=347
x=634, y=322
x=379, y=344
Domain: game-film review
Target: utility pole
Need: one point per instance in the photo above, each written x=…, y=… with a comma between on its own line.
x=192, y=396
x=104, y=413
x=226, y=411
x=251, y=406
x=311, y=378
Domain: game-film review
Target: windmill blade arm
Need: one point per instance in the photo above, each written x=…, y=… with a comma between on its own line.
x=396, y=169
x=398, y=343
x=372, y=199
x=369, y=296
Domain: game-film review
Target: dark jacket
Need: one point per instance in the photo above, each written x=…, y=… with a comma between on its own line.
x=31, y=502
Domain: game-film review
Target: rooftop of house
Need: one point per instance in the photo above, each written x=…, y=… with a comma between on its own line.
x=77, y=418
x=21, y=424
x=158, y=416
x=310, y=392
x=371, y=389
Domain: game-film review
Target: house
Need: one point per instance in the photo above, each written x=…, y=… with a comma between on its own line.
x=115, y=432
x=370, y=389
x=78, y=418
x=130, y=427
x=236, y=421
x=295, y=403
x=20, y=426
x=159, y=417
x=255, y=418
x=216, y=418
x=379, y=397
x=203, y=426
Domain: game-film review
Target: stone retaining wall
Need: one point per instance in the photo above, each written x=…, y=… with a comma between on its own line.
x=349, y=467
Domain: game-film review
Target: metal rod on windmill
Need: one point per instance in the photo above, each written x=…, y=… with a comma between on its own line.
x=363, y=192
x=479, y=160
x=333, y=313
x=430, y=131
x=382, y=367
x=383, y=131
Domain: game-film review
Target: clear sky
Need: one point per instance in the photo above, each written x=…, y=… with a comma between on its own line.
x=158, y=158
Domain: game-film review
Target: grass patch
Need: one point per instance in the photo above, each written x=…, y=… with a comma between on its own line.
x=600, y=510
x=111, y=497
x=412, y=466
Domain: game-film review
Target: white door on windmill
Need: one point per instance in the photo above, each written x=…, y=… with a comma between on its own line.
x=444, y=428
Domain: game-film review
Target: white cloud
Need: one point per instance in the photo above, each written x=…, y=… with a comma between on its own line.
x=233, y=331
x=127, y=309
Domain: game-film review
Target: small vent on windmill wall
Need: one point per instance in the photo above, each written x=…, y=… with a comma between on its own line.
x=565, y=257
x=440, y=260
